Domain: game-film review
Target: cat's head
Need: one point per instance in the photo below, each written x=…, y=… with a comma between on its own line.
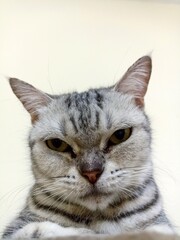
x=91, y=147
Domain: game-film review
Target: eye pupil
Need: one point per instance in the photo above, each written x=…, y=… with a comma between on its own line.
x=120, y=134
x=56, y=142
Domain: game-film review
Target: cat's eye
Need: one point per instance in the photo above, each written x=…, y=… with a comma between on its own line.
x=120, y=136
x=58, y=145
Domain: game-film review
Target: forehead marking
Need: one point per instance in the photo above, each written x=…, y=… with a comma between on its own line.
x=83, y=111
x=99, y=99
x=72, y=119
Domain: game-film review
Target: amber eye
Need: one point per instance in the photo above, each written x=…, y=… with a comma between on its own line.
x=58, y=145
x=120, y=136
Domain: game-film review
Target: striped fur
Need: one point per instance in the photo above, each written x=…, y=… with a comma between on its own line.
x=62, y=202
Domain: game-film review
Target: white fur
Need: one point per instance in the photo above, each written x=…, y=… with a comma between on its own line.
x=48, y=230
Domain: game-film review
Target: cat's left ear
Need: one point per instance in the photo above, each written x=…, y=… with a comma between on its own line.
x=135, y=80
x=32, y=98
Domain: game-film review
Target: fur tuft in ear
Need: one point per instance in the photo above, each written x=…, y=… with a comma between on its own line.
x=32, y=98
x=135, y=80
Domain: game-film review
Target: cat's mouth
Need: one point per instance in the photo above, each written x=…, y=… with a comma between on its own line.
x=94, y=192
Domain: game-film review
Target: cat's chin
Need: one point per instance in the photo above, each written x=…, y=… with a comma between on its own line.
x=96, y=200
x=95, y=193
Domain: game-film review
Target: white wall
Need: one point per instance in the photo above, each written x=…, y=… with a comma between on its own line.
x=65, y=45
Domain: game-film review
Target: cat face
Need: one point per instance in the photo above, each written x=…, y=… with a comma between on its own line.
x=91, y=148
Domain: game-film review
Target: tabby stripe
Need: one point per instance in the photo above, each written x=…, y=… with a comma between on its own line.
x=19, y=223
x=89, y=115
x=23, y=218
x=31, y=144
x=12, y=229
x=87, y=98
x=83, y=123
x=68, y=101
x=72, y=217
x=97, y=119
x=136, y=192
x=108, y=120
x=157, y=219
x=56, y=198
x=99, y=99
x=77, y=100
x=73, y=123
x=138, y=210
x=62, y=127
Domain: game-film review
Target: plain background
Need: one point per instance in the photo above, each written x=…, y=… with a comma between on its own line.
x=60, y=46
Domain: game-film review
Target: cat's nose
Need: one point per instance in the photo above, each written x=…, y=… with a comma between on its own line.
x=92, y=176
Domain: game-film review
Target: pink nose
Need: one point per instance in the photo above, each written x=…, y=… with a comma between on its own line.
x=92, y=176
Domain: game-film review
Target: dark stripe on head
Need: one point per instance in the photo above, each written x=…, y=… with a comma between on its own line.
x=73, y=123
x=99, y=99
x=97, y=119
x=89, y=115
x=62, y=127
x=77, y=100
x=68, y=101
x=108, y=119
x=87, y=98
x=82, y=122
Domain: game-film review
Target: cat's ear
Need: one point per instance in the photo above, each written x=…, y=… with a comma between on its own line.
x=135, y=80
x=32, y=98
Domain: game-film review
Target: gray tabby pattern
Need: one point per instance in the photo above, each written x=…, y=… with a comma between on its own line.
x=91, y=159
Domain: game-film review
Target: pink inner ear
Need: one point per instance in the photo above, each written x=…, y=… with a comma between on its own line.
x=34, y=119
x=139, y=102
x=32, y=98
x=135, y=80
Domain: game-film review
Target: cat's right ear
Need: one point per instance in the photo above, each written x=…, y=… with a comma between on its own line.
x=135, y=80
x=32, y=98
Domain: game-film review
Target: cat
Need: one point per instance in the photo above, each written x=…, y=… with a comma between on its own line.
x=91, y=160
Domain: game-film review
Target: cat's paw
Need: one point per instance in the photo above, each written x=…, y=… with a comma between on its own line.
x=47, y=230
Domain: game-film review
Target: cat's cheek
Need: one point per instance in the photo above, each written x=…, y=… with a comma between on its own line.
x=47, y=230
x=49, y=163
